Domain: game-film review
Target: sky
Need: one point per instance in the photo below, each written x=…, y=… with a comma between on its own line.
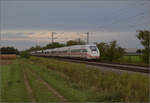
x=28, y=23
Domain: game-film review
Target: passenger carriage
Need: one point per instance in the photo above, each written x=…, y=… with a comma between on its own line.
x=76, y=51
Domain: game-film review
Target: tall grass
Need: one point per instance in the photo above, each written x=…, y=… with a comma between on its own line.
x=66, y=88
x=12, y=84
x=40, y=91
x=108, y=86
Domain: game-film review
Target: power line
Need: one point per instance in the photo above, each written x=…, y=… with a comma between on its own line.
x=116, y=21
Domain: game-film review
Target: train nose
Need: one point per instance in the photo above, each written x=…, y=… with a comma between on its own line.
x=94, y=53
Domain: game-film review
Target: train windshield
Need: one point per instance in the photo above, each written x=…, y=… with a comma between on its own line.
x=93, y=48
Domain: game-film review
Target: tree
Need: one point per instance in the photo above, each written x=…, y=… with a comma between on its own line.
x=71, y=42
x=103, y=50
x=143, y=36
x=114, y=51
x=25, y=54
x=110, y=51
x=75, y=42
x=48, y=46
x=139, y=51
x=9, y=50
x=53, y=45
x=37, y=47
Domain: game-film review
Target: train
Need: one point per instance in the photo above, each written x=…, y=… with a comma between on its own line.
x=89, y=52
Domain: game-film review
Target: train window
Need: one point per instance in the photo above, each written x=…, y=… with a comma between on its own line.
x=84, y=50
x=93, y=48
x=65, y=51
x=75, y=50
x=72, y=51
x=53, y=52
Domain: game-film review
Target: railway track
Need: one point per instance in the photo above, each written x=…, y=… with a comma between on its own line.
x=132, y=68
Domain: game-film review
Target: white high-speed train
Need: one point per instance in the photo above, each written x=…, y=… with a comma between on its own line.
x=76, y=51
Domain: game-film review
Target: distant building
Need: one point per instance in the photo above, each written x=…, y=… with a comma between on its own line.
x=131, y=51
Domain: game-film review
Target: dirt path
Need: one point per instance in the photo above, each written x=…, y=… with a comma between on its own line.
x=49, y=87
x=29, y=90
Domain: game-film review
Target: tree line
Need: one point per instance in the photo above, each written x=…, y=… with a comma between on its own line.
x=9, y=50
x=56, y=45
x=108, y=51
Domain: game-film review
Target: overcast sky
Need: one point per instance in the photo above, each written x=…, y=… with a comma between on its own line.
x=27, y=23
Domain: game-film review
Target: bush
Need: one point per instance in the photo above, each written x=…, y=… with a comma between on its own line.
x=110, y=52
x=25, y=54
x=143, y=36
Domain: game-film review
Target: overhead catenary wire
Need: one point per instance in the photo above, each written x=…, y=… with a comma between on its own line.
x=117, y=21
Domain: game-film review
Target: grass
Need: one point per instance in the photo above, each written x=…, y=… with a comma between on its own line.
x=12, y=84
x=75, y=82
x=131, y=59
x=65, y=88
x=107, y=86
x=40, y=92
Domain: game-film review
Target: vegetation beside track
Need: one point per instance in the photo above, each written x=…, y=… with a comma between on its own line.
x=75, y=82
x=107, y=86
x=64, y=87
x=131, y=59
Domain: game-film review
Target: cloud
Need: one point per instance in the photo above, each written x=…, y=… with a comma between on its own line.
x=88, y=15
x=31, y=33
x=38, y=35
x=125, y=39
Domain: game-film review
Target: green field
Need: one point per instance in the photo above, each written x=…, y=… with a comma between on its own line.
x=57, y=81
x=131, y=59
